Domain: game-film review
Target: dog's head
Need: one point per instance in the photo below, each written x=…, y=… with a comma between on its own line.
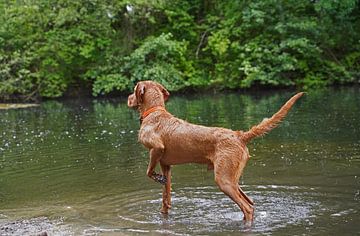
x=147, y=91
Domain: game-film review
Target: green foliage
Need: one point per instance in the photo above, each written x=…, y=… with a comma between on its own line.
x=107, y=83
x=159, y=58
x=15, y=78
x=284, y=43
x=46, y=47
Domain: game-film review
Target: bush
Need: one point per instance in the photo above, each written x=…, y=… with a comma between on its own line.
x=159, y=58
x=15, y=77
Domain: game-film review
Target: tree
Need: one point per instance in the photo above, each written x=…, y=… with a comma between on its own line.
x=47, y=47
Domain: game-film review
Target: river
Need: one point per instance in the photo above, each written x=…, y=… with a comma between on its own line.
x=74, y=167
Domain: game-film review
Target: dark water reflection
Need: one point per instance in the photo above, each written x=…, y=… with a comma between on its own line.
x=75, y=168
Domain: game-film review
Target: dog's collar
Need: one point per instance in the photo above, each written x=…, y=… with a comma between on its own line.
x=151, y=110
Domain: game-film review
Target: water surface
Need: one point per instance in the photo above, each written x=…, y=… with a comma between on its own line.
x=75, y=168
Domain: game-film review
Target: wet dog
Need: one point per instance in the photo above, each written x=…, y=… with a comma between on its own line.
x=172, y=141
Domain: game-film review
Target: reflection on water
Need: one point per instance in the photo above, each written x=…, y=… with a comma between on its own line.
x=75, y=168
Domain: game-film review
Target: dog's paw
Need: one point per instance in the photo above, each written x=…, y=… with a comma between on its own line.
x=159, y=178
x=162, y=179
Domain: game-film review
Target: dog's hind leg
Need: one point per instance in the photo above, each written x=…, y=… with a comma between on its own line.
x=166, y=201
x=249, y=200
x=227, y=172
x=231, y=190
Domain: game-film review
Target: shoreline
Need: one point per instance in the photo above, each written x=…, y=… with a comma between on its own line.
x=22, y=102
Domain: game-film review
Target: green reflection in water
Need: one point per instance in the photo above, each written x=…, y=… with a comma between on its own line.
x=79, y=161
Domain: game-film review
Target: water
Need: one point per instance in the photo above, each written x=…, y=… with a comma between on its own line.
x=76, y=168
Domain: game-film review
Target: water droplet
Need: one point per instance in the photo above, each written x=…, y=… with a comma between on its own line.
x=262, y=214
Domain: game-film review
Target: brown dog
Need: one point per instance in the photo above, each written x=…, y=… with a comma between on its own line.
x=173, y=141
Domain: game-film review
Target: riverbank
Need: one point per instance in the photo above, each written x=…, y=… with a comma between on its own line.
x=85, y=93
x=5, y=106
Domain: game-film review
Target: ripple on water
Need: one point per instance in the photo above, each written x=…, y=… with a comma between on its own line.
x=206, y=210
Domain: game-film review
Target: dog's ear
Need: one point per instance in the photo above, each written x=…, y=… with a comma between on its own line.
x=140, y=91
x=165, y=93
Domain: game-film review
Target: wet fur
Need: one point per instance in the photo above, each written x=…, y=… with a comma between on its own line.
x=172, y=141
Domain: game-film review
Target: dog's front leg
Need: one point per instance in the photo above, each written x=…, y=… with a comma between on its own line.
x=155, y=155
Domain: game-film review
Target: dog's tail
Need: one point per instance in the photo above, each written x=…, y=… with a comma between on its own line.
x=269, y=123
